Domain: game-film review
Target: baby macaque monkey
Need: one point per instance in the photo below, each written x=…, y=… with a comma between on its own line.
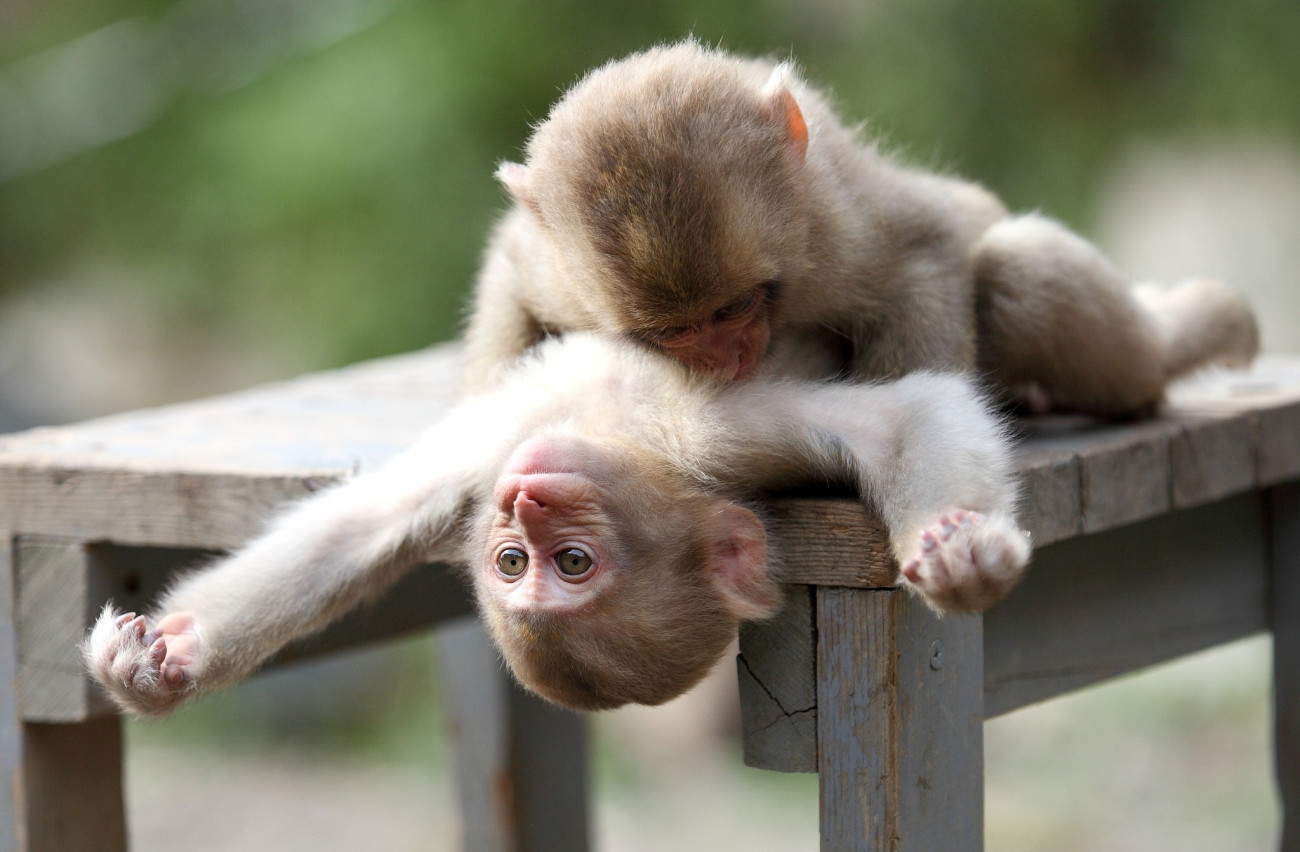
x=601, y=499
x=717, y=209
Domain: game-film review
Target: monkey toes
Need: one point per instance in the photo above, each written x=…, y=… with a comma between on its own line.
x=143, y=671
x=967, y=561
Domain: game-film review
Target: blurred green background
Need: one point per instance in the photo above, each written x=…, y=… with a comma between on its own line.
x=201, y=194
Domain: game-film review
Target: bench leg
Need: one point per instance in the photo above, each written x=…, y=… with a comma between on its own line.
x=521, y=764
x=62, y=783
x=1286, y=657
x=899, y=724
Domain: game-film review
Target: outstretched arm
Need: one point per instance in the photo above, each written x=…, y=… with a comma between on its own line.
x=925, y=453
x=317, y=561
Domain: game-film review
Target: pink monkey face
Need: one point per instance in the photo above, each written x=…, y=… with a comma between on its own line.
x=550, y=544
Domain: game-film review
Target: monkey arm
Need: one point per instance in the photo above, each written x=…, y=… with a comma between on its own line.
x=925, y=453
x=317, y=561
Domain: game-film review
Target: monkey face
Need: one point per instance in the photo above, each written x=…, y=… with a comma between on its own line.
x=730, y=342
x=549, y=548
x=599, y=594
x=672, y=207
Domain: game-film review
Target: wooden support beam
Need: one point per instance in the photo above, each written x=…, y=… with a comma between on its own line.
x=1285, y=519
x=899, y=724
x=73, y=781
x=57, y=595
x=777, y=672
x=1103, y=605
x=521, y=764
x=12, y=800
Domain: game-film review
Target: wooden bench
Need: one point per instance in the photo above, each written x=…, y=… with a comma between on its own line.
x=1154, y=540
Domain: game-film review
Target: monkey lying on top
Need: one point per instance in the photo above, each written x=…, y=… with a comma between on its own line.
x=709, y=205
x=600, y=497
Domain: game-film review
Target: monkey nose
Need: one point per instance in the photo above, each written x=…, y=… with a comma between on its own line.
x=526, y=501
x=530, y=513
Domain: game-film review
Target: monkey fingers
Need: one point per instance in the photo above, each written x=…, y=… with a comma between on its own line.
x=966, y=561
x=142, y=671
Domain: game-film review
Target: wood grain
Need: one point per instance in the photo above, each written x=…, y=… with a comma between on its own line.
x=899, y=717
x=55, y=601
x=1103, y=605
x=776, y=669
x=831, y=541
x=12, y=783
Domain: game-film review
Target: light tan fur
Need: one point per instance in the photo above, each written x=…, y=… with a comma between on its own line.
x=665, y=184
x=671, y=462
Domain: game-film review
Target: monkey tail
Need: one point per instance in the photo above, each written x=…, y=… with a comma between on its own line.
x=1202, y=321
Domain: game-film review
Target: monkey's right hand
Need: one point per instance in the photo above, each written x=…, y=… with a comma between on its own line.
x=143, y=672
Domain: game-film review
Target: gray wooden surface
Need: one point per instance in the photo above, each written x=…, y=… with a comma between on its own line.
x=520, y=763
x=777, y=674
x=899, y=724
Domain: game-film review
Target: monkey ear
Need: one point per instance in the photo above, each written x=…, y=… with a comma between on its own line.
x=738, y=563
x=779, y=99
x=517, y=180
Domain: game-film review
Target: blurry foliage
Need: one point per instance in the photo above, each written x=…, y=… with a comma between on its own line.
x=322, y=171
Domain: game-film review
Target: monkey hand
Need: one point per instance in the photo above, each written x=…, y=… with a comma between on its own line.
x=967, y=561
x=146, y=673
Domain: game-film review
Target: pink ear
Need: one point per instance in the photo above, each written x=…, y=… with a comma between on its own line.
x=786, y=109
x=515, y=178
x=738, y=563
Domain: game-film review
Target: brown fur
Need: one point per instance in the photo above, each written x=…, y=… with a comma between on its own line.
x=665, y=184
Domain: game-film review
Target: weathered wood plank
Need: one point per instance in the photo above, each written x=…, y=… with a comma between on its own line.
x=1212, y=457
x=900, y=754
x=209, y=473
x=1277, y=449
x=1285, y=616
x=12, y=786
x=1103, y=605
x=520, y=763
x=831, y=541
x=1268, y=395
x=1051, y=493
x=220, y=510
x=54, y=602
x=73, y=779
x=778, y=687
x=856, y=711
x=337, y=420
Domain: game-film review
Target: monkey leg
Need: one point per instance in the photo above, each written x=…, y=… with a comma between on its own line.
x=1053, y=312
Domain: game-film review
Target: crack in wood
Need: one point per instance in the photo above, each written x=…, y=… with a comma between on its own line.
x=786, y=714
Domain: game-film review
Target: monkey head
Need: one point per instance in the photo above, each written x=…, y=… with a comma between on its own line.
x=670, y=188
x=600, y=595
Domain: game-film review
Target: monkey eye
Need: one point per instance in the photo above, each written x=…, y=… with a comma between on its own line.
x=512, y=562
x=740, y=307
x=573, y=562
x=671, y=334
x=746, y=303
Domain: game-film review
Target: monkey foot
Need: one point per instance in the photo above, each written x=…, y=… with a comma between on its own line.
x=967, y=561
x=143, y=672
